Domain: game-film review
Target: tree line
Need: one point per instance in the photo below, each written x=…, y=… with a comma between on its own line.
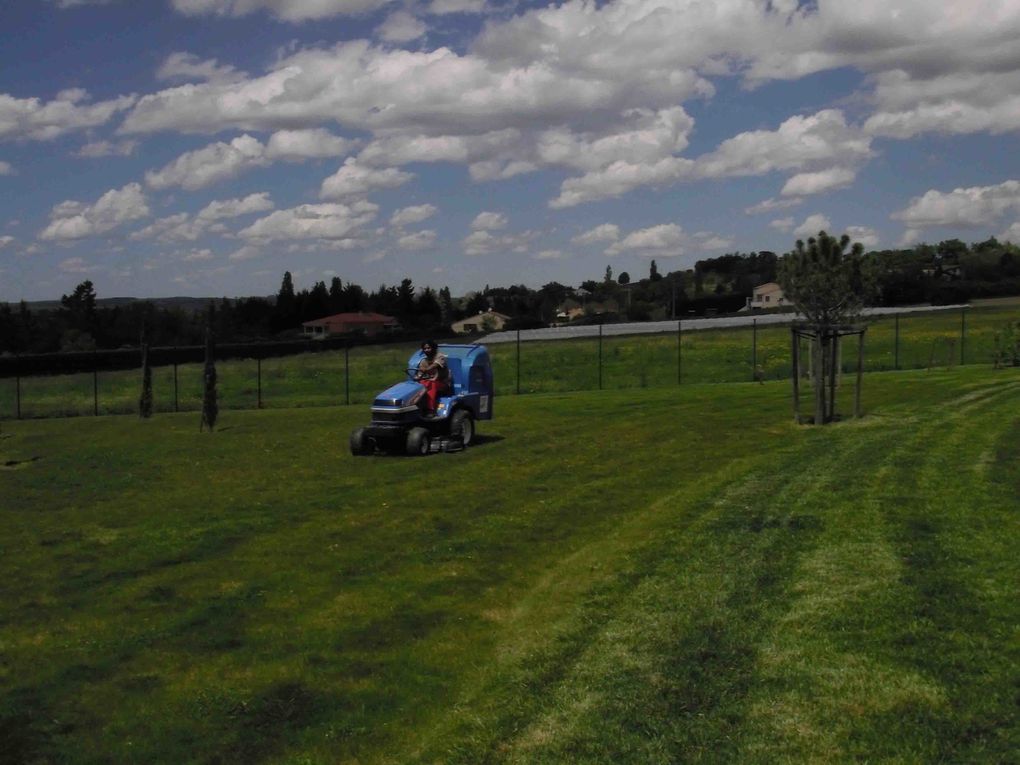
x=948, y=272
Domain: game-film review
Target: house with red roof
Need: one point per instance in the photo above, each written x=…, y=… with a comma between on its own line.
x=368, y=324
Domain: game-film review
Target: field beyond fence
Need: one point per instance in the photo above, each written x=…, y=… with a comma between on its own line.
x=338, y=376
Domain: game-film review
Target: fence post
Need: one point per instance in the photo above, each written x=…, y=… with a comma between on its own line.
x=896, y=362
x=518, y=362
x=347, y=373
x=258, y=373
x=600, y=355
x=754, y=350
x=176, y=407
x=860, y=374
x=795, y=355
x=963, y=331
x=95, y=385
x=679, y=351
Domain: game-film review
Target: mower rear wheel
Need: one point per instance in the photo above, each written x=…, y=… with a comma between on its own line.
x=462, y=426
x=360, y=445
x=418, y=442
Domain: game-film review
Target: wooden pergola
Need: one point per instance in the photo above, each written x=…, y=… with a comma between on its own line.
x=825, y=358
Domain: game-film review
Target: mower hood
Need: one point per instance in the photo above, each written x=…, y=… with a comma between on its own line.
x=403, y=394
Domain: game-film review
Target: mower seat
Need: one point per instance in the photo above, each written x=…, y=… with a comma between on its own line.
x=456, y=376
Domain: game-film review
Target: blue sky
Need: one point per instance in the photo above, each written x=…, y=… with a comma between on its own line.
x=204, y=147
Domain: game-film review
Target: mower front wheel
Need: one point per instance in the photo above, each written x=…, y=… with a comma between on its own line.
x=418, y=442
x=360, y=445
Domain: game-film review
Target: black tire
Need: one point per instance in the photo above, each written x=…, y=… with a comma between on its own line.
x=418, y=442
x=360, y=445
x=462, y=426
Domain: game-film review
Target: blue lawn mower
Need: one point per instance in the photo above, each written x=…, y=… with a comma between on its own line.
x=399, y=424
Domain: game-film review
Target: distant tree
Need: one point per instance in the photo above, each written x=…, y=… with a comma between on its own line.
x=445, y=307
x=653, y=272
x=829, y=285
x=336, y=295
x=285, y=312
x=427, y=308
x=406, y=301
x=145, y=400
x=317, y=303
x=623, y=278
x=608, y=278
x=210, y=406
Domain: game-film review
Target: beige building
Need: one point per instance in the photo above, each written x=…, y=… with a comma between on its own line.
x=768, y=295
x=488, y=321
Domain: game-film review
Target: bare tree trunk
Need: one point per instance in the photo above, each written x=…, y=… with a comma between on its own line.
x=833, y=369
x=818, y=376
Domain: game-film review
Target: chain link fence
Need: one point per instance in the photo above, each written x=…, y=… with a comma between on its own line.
x=331, y=373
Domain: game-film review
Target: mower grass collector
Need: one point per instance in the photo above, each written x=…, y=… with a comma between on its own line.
x=399, y=423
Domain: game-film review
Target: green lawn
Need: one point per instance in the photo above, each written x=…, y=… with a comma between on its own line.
x=642, y=576
x=638, y=361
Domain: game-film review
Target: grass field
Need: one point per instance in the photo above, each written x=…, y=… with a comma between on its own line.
x=642, y=576
x=638, y=361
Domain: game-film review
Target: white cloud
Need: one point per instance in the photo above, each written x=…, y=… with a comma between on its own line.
x=444, y=7
x=812, y=225
x=401, y=27
x=189, y=67
x=772, y=204
x=354, y=180
x=489, y=221
x=233, y=208
x=6, y=241
x=958, y=102
x=644, y=137
x=195, y=256
x=419, y=240
x=76, y=266
x=805, y=184
x=868, y=237
x=314, y=143
x=247, y=252
x=182, y=227
x=973, y=206
x=407, y=216
x=209, y=165
x=98, y=149
x=706, y=240
x=75, y=220
x=605, y=232
x=6, y=168
x=665, y=240
x=484, y=242
x=286, y=10
x=799, y=142
x=548, y=255
x=438, y=92
x=619, y=178
x=782, y=224
x=30, y=118
x=1011, y=234
x=334, y=222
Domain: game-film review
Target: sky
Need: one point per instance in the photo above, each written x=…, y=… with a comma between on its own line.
x=204, y=147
